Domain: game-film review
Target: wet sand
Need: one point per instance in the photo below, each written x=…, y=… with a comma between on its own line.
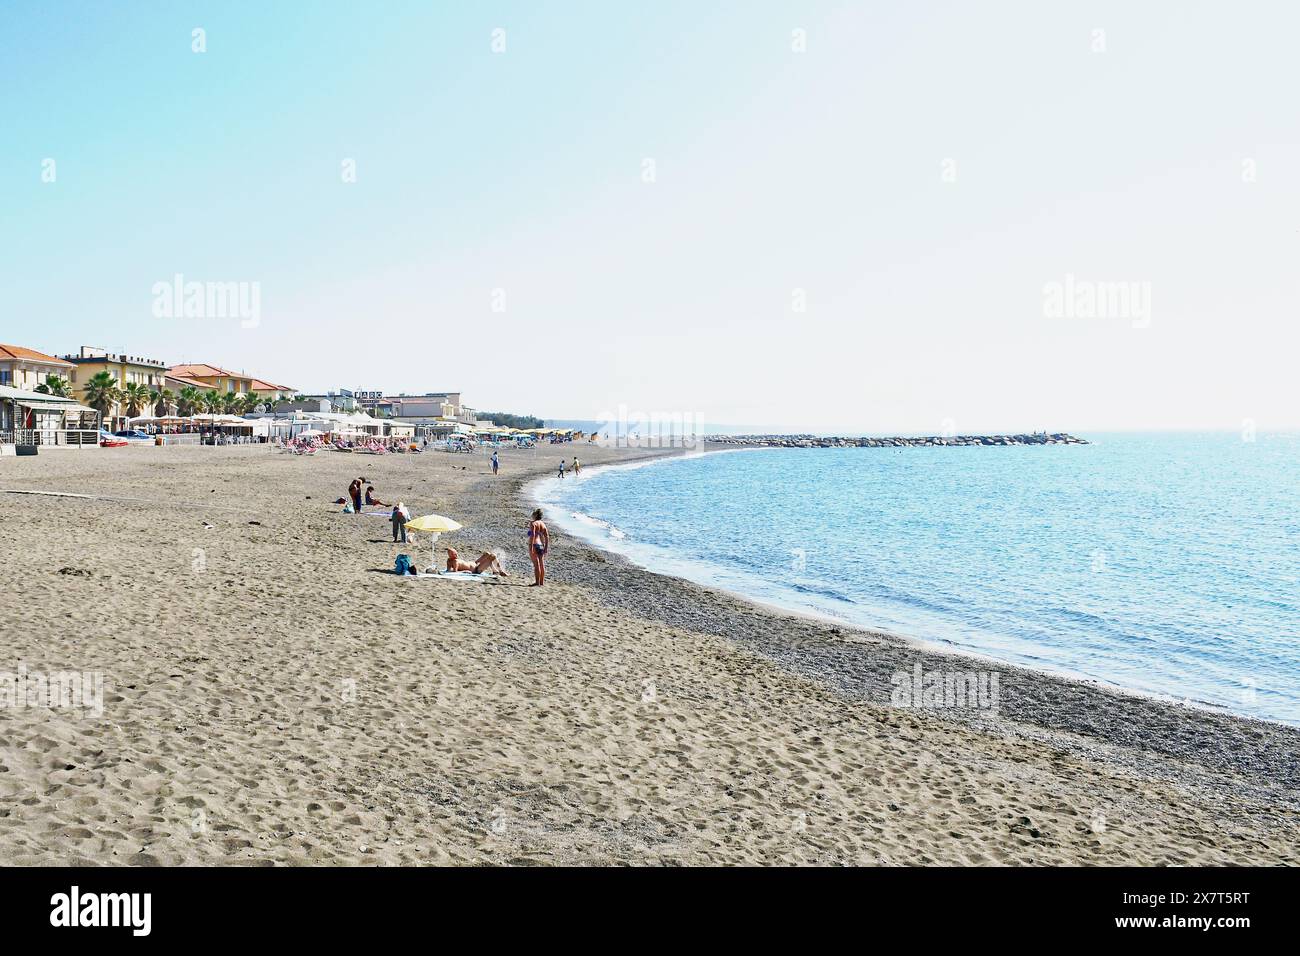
x=274, y=695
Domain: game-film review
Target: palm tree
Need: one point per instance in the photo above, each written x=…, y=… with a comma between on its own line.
x=162, y=401
x=212, y=401
x=135, y=395
x=190, y=400
x=101, y=393
x=251, y=403
x=231, y=403
x=54, y=385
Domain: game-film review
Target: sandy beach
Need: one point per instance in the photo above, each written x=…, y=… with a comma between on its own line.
x=273, y=695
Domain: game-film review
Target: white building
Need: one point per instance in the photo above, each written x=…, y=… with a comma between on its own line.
x=24, y=368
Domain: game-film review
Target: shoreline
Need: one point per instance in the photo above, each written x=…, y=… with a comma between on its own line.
x=895, y=441
x=928, y=645
x=1109, y=702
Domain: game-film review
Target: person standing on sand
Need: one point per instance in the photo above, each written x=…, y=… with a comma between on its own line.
x=354, y=492
x=539, y=542
x=398, y=518
x=495, y=464
x=576, y=467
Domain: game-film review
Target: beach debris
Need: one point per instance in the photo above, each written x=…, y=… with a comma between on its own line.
x=1026, y=826
x=208, y=525
x=76, y=572
x=255, y=522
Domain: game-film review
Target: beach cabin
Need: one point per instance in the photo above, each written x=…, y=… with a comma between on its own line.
x=38, y=418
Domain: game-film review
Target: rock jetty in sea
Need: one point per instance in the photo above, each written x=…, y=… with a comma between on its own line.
x=816, y=441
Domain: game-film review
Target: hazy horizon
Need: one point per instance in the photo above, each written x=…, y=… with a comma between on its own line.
x=707, y=428
x=826, y=218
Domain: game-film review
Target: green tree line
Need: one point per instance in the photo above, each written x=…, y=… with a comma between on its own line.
x=507, y=420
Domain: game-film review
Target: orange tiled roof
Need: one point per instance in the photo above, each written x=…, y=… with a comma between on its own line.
x=203, y=370
x=200, y=370
x=186, y=380
x=18, y=352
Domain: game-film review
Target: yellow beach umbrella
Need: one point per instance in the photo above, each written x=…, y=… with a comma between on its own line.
x=434, y=525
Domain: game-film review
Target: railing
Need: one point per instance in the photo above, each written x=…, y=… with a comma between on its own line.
x=77, y=437
x=51, y=436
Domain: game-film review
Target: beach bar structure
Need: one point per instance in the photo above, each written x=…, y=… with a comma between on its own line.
x=183, y=429
x=337, y=424
x=39, y=418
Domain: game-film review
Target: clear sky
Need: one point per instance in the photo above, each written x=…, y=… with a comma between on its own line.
x=855, y=236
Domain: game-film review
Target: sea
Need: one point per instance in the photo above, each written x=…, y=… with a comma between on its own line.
x=1167, y=564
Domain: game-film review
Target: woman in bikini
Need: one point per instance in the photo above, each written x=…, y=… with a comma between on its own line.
x=487, y=563
x=539, y=542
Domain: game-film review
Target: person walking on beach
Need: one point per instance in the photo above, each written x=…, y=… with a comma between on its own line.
x=495, y=464
x=539, y=542
x=561, y=467
x=576, y=467
x=398, y=518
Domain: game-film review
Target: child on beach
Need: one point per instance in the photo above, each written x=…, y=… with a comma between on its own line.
x=495, y=463
x=539, y=542
x=561, y=467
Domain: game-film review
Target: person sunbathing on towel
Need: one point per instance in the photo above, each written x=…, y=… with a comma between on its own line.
x=487, y=563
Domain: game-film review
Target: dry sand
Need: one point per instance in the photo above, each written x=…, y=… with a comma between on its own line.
x=273, y=696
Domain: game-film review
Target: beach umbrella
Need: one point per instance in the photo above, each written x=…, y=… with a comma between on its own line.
x=434, y=525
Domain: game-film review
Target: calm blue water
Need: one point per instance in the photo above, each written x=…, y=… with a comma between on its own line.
x=1166, y=563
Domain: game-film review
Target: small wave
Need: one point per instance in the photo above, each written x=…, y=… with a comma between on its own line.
x=806, y=586
x=610, y=529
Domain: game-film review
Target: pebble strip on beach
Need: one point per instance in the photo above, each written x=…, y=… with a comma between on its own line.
x=931, y=441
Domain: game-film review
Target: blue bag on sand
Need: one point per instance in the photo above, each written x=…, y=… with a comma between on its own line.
x=402, y=565
x=347, y=509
